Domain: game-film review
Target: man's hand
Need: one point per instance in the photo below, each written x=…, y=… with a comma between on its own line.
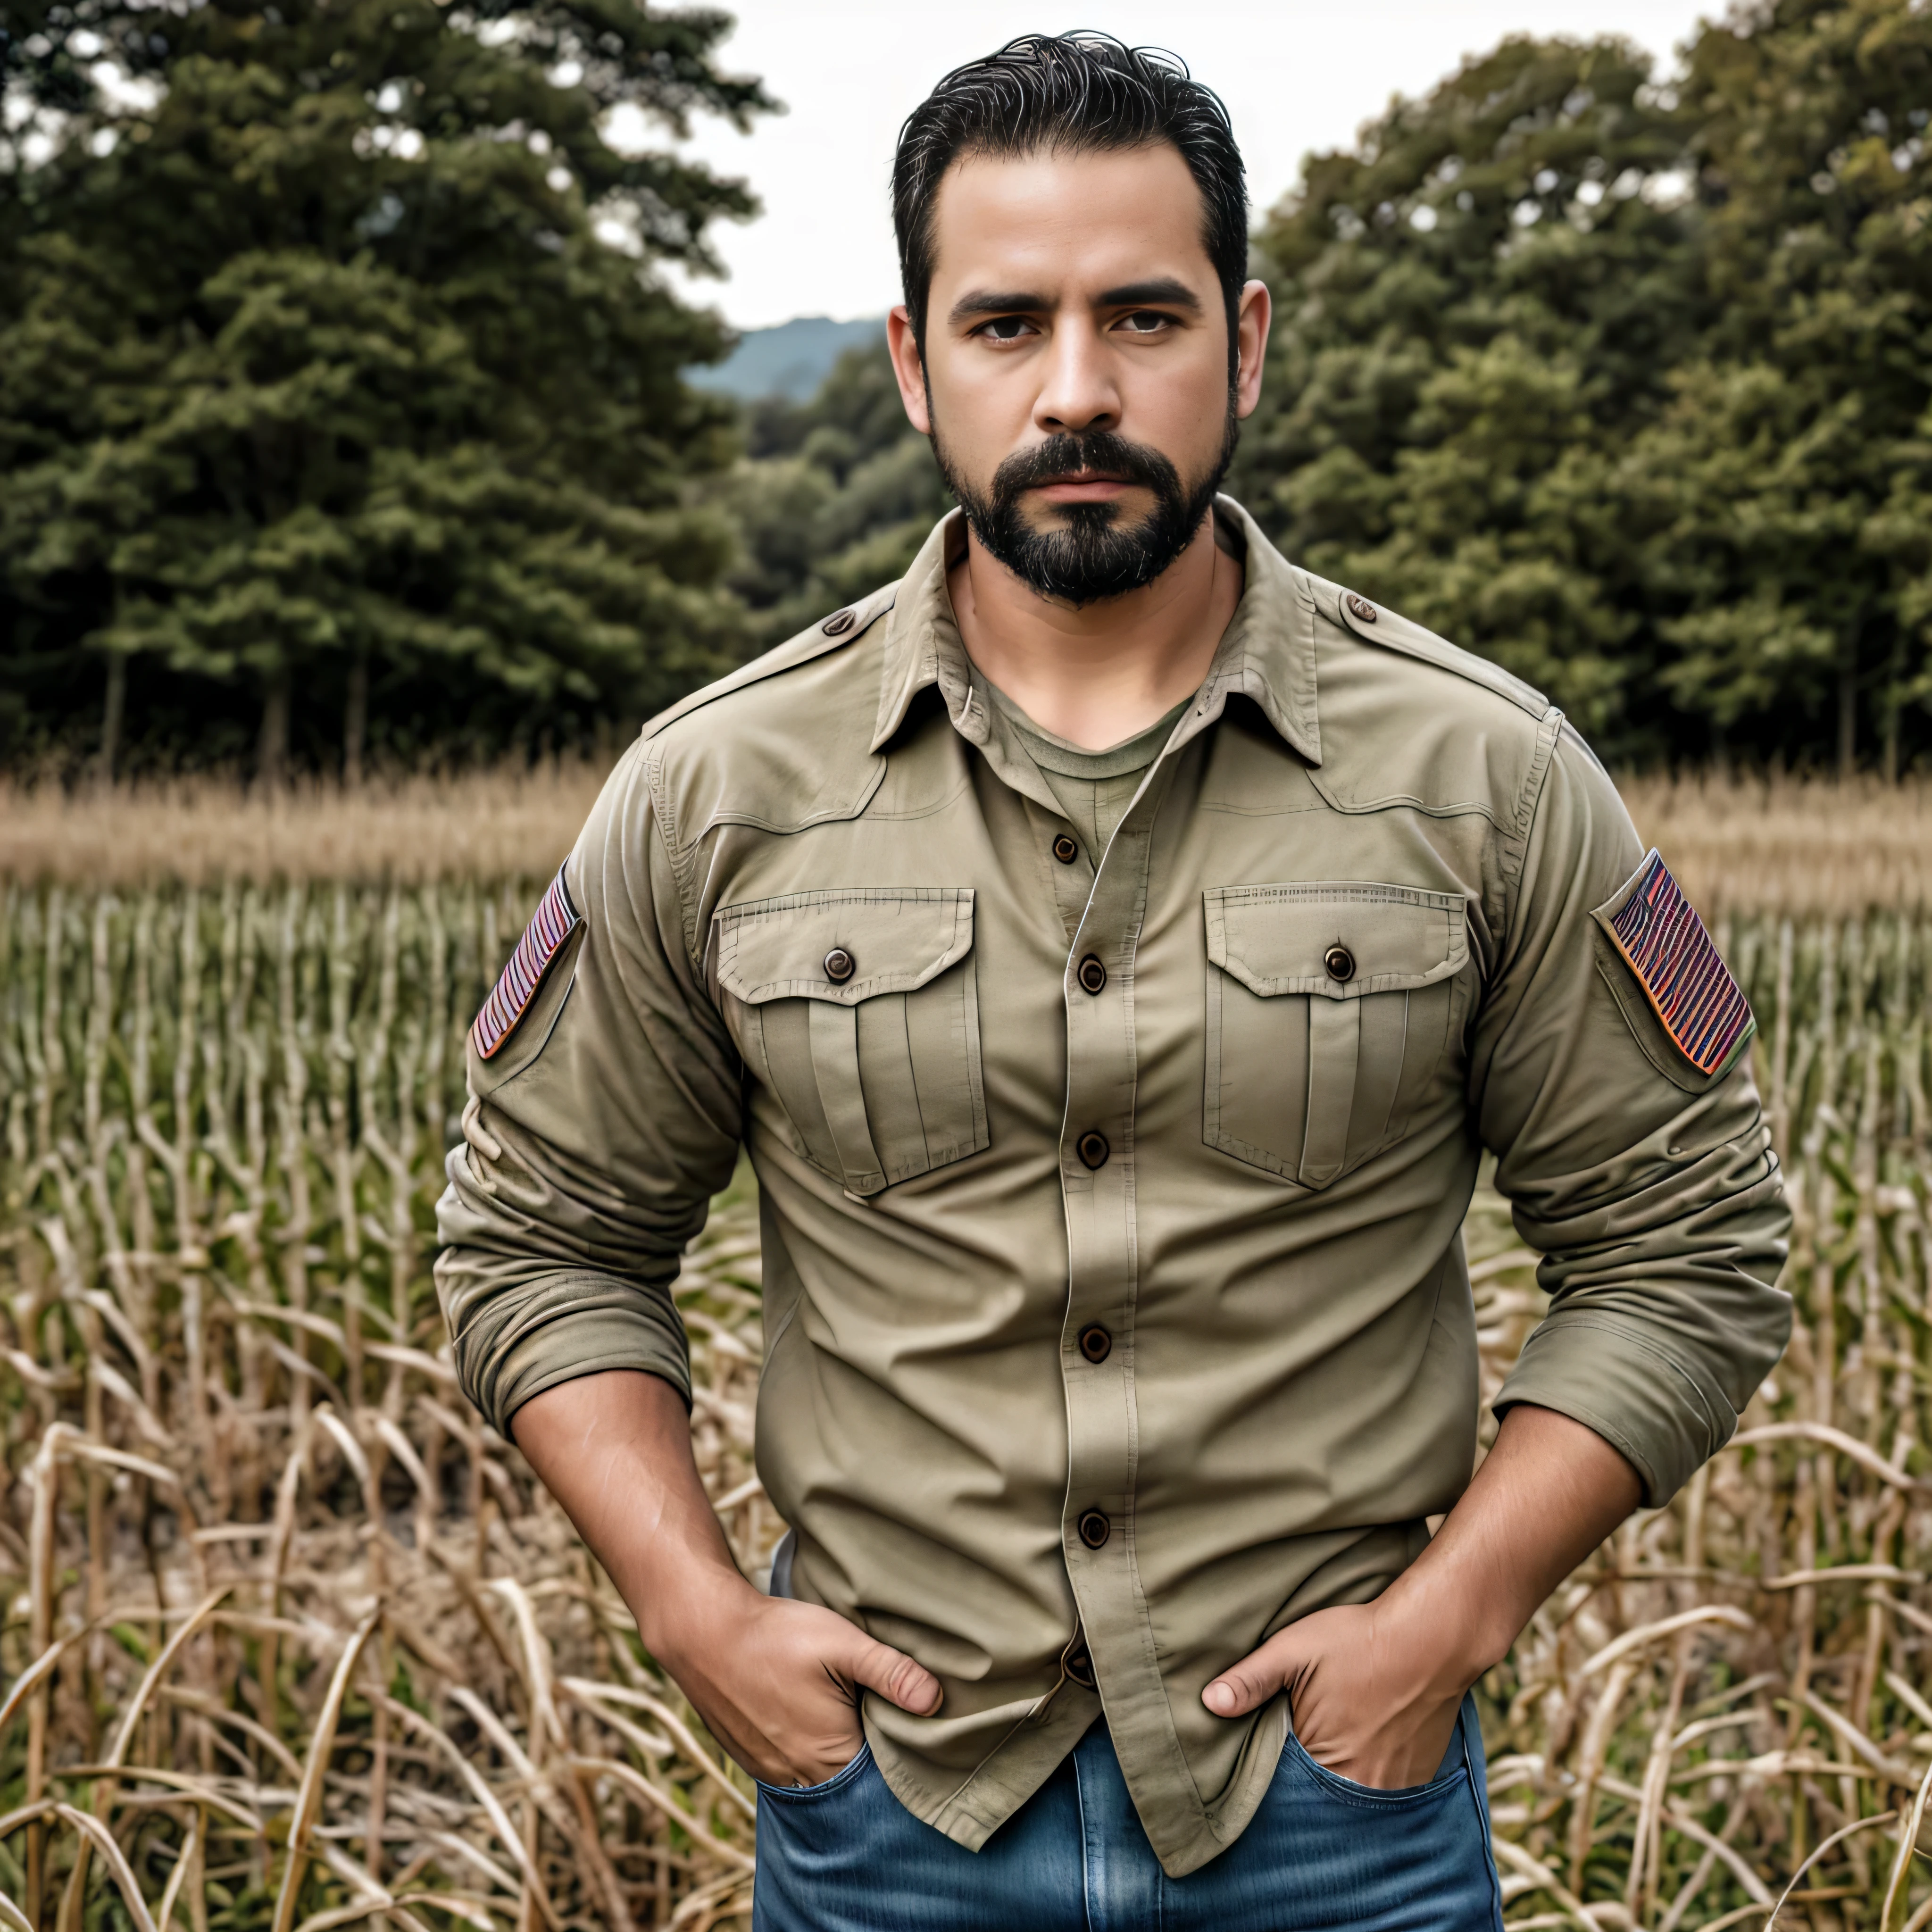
x=1372, y=1697
x=777, y=1683
x=1373, y=1688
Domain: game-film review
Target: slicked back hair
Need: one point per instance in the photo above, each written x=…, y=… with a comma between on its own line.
x=1076, y=93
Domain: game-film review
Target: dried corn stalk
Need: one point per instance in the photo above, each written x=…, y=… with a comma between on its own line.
x=234, y=1443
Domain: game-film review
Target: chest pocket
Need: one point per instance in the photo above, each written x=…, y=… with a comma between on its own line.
x=859, y=1010
x=1328, y=1007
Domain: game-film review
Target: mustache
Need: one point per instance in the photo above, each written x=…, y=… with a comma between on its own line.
x=1097, y=451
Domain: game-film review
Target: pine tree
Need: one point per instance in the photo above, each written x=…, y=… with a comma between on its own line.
x=335, y=382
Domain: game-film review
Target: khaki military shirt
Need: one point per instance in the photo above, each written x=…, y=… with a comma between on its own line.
x=1113, y=1282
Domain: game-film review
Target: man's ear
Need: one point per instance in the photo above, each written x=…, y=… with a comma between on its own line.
x=909, y=366
x=1251, y=335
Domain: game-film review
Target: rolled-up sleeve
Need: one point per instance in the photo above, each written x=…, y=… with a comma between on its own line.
x=595, y=1137
x=1649, y=1188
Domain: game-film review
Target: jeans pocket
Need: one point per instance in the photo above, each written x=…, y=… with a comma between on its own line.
x=1369, y=1796
x=804, y=1794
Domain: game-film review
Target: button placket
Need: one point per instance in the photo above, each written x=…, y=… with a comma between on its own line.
x=1097, y=1186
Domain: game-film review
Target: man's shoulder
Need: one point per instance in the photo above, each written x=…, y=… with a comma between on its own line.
x=747, y=690
x=1409, y=718
x=785, y=741
x=1465, y=678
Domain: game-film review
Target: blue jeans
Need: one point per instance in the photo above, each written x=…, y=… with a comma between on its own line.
x=846, y=1856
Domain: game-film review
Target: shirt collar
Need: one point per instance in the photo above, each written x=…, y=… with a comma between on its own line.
x=1267, y=652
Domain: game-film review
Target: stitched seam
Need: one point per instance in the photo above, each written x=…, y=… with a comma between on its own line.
x=683, y=873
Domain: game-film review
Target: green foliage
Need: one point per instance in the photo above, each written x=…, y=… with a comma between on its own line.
x=1474, y=314
x=1627, y=384
x=835, y=499
x=334, y=379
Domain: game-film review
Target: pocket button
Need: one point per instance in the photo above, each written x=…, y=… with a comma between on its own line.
x=1339, y=963
x=840, y=965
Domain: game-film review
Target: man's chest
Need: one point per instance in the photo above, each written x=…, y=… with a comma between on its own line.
x=1250, y=992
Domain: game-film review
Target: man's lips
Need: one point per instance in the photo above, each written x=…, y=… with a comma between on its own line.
x=1083, y=486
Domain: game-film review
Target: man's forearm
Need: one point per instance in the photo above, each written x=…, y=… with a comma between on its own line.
x=1548, y=1493
x=614, y=1449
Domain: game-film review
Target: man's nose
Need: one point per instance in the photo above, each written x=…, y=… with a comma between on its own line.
x=1078, y=392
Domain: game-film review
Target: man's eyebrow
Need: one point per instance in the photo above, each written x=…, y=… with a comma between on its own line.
x=1164, y=289
x=1167, y=290
x=988, y=302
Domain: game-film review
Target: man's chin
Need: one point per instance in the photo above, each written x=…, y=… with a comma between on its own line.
x=1050, y=518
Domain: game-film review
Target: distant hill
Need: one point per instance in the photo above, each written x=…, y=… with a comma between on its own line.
x=790, y=360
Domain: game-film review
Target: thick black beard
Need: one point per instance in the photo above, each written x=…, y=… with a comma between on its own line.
x=1092, y=555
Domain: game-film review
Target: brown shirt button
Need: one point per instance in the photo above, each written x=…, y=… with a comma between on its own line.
x=839, y=622
x=840, y=965
x=1092, y=975
x=1340, y=962
x=1094, y=1529
x=1066, y=850
x=1361, y=607
x=1095, y=1344
x=1093, y=1149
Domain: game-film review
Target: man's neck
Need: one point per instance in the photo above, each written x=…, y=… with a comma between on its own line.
x=1096, y=676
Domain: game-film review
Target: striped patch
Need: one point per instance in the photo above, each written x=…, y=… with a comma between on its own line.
x=555, y=920
x=1702, y=1008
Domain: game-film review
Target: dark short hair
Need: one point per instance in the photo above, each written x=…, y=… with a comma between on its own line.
x=1080, y=93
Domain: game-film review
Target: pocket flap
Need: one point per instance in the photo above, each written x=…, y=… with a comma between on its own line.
x=892, y=938
x=1276, y=939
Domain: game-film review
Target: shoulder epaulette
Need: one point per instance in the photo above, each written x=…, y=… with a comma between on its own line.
x=1376, y=624
x=845, y=625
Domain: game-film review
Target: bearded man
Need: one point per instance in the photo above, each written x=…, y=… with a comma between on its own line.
x=1116, y=947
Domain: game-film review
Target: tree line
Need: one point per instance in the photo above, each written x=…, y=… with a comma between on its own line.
x=340, y=415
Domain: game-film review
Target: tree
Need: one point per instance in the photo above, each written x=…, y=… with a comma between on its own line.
x=836, y=497
x=1793, y=460
x=338, y=381
x=1627, y=382
x=1474, y=313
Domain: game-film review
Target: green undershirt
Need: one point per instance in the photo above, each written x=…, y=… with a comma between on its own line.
x=1094, y=788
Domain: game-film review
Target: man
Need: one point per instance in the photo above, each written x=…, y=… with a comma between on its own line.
x=1116, y=946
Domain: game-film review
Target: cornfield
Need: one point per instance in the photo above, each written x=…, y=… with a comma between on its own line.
x=292, y=1639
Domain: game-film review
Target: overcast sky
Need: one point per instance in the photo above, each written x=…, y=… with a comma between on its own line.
x=1296, y=75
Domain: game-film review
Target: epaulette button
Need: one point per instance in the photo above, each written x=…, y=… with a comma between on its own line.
x=1358, y=606
x=839, y=622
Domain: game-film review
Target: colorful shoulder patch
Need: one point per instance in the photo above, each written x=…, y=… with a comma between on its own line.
x=555, y=919
x=1657, y=931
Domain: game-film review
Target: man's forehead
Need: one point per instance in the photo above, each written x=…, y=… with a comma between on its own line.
x=1069, y=223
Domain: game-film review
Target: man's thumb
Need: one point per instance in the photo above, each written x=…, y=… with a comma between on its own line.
x=1251, y=1682
x=897, y=1679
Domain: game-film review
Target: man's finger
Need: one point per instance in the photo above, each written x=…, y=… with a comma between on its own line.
x=1253, y=1681
x=896, y=1678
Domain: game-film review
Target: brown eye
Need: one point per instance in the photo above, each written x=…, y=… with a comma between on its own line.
x=1145, y=322
x=1007, y=328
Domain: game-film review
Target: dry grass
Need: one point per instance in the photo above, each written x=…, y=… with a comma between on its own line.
x=512, y=822
x=345, y=1661
x=343, y=1656
x=1809, y=847
x=1799, y=845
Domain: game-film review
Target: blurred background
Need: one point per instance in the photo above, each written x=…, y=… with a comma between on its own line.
x=401, y=400
x=369, y=392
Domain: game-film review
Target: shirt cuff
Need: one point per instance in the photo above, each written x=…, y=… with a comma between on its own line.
x=1651, y=1408
x=562, y=1329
